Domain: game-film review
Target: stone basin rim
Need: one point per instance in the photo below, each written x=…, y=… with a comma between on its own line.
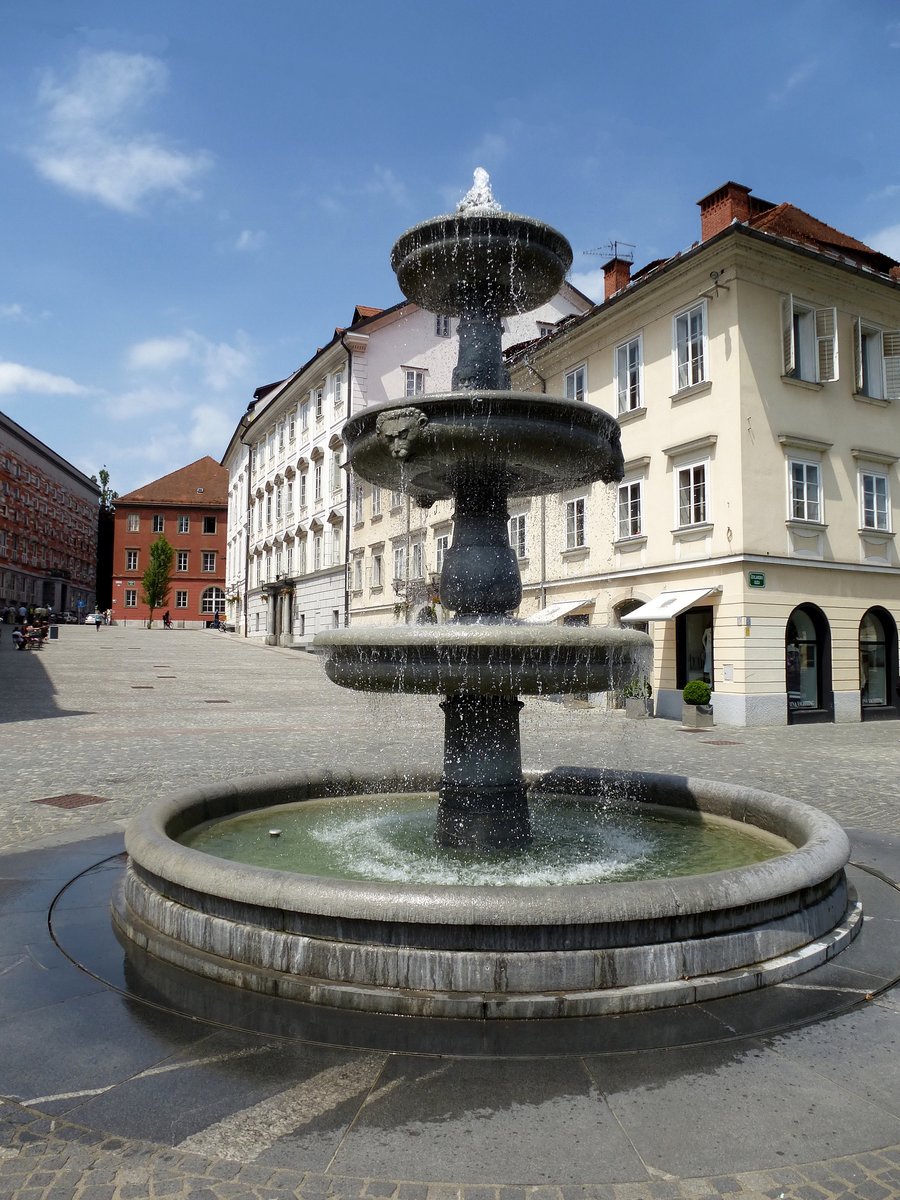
x=822, y=850
x=499, y=634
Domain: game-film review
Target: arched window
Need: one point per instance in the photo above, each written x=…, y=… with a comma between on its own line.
x=807, y=666
x=212, y=600
x=877, y=665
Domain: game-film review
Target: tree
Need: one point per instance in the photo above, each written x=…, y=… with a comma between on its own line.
x=105, y=518
x=157, y=579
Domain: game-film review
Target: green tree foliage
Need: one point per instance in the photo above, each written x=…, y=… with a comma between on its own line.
x=157, y=579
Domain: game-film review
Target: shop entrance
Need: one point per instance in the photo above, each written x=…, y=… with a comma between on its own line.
x=807, y=659
x=694, y=648
x=878, y=666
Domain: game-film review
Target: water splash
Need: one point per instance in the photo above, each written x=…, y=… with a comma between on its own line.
x=479, y=198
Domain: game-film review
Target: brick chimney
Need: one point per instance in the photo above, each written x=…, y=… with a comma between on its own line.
x=730, y=202
x=616, y=275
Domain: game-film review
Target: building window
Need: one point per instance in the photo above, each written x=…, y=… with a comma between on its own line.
x=337, y=545
x=292, y=426
x=317, y=552
x=576, y=383
x=134, y=523
x=336, y=471
x=630, y=516
x=319, y=402
x=159, y=522
x=131, y=598
x=875, y=502
x=415, y=382
x=692, y=495
x=575, y=524
x=280, y=429
x=209, y=524
x=317, y=479
x=396, y=498
x=209, y=560
x=517, y=537
x=877, y=361
x=304, y=415
x=277, y=503
x=808, y=341
x=184, y=524
x=212, y=601
x=417, y=561
x=181, y=560
x=441, y=546
x=690, y=347
x=337, y=389
x=399, y=564
x=181, y=599
x=269, y=509
x=441, y=326
x=302, y=479
x=290, y=496
x=376, y=500
x=359, y=496
x=628, y=375
x=805, y=491
x=131, y=560
x=301, y=558
x=377, y=570
x=357, y=573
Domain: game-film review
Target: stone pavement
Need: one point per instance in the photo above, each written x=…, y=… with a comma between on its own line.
x=116, y=1087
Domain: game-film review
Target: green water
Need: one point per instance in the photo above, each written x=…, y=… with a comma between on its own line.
x=391, y=838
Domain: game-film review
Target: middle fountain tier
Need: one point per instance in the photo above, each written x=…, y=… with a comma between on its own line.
x=477, y=446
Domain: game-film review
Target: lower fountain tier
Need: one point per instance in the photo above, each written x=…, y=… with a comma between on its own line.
x=481, y=951
x=534, y=444
x=502, y=659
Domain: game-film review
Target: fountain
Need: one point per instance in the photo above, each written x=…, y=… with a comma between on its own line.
x=509, y=947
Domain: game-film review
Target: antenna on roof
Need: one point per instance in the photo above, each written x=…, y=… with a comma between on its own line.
x=612, y=250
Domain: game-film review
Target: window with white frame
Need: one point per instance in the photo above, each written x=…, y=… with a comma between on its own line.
x=317, y=479
x=134, y=523
x=377, y=570
x=690, y=347
x=415, y=381
x=317, y=552
x=131, y=560
x=877, y=353
x=630, y=511
x=184, y=524
x=628, y=375
x=441, y=326
x=289, y=558
x=259, y=516
x=417, y=561
x=319, y=402
x=376, y=500
x=809, y=345
x=269, y=509
x=441, y=546
x=399, y=563
x=576, y=383
x=278, y=503
x=209, y=560
x=292, y=426
x=396, y=498
x=131, y=598
x=289, y=500
x=270, y=444
x=301, y=558
x=181, y=599
x=336, y=476
x=806, y=490
x=692, y=494
x=337, y=389
x=280, y=431
x=359, y=496
x=268, y=565
x=337, y=545
x=302, y=479
x=181, y=560
x=304, y=415
x=575, y=531
x=357, y=573
x=277, y=564
x=517, y=535
x=212, y=601
x=875, y=507
x=159, y=523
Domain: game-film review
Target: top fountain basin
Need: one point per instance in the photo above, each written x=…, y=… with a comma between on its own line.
x=481, y=262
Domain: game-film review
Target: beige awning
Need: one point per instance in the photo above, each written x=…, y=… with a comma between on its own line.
x=553, y=612
x=670, y=604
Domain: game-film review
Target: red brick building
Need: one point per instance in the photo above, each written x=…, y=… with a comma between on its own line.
x=189, y=508
x=48, y=526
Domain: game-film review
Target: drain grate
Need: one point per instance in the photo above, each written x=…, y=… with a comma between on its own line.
x=142, y=687
x=216, y=701
x=719, y=742
x=167, y=677
x=72, y=800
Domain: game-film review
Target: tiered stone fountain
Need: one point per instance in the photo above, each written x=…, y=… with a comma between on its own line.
x=508, y=949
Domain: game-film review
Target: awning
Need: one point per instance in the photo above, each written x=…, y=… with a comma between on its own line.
x=670, y=604
x=553, y=612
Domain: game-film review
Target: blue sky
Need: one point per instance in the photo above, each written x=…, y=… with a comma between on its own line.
x=195, y=193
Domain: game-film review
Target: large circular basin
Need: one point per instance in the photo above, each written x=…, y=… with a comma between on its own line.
x=489, y=952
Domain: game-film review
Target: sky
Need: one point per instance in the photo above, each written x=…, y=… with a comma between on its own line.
x=195, y=193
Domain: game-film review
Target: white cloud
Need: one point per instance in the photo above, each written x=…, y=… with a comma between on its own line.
x=800, y=74
x=87, y=144
x=219, y=365
x=16, y=378
x=250, y=239
x=12, y=312
x=382, y=181
x=589, y=282
x=144, y=401
x=886, y=240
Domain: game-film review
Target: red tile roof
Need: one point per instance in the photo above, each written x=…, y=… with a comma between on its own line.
x=183, y=487
x=784, y=220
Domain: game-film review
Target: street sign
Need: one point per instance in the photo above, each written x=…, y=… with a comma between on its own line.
x=756, y=579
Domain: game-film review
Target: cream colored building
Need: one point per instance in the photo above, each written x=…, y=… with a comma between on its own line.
x=309, y=547
x=756, y=377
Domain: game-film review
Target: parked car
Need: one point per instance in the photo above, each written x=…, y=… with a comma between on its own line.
x=94, y=618
x=66, y=618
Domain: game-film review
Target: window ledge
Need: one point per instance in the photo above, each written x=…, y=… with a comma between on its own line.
x=806, y=528
x=695, y=389
x=878, y=401
x=879, y=536
x=809, y=384
x=376, y=587
x=358, y=524
x=690, y=533
x=630, y=543
x=375, y=517
x=523, y=562
x=576, y=552
x=632, y=414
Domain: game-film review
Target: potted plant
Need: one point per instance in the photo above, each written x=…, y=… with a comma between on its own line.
x=696, y=710
x=638, y=699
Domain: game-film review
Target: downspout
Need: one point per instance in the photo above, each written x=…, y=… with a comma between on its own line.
x=542, y=586
x=349, y=488
x=246, y=423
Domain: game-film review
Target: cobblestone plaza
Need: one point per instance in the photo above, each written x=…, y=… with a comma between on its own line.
x=113, y=1092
